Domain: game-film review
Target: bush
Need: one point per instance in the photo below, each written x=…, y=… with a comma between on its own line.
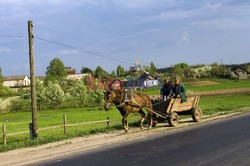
x=6, y=91
x=20, y=105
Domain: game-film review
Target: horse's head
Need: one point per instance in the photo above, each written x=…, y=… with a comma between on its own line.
x=108, y=98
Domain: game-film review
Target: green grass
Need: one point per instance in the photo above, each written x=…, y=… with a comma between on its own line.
x=215, y=104
x=19, y=121
x=16, y=122
x=223, y=84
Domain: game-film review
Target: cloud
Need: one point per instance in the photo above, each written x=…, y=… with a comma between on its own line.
x=212, y=7
x=185, y=37
x=21, y=67
x=68, y=52
x=138, y=4
x=222, y=24
x=4, y=50
x=183, y=13
x=170, y=15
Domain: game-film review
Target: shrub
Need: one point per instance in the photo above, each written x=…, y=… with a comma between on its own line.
x=20, y=105
x=6, y=91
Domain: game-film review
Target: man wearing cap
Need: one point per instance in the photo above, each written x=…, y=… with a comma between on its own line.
x=179, y=90
x=167, y=89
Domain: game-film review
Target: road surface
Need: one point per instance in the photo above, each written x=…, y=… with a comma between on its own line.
x=226, y=142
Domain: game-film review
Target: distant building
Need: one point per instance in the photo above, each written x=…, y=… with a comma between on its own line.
x=146, y=81
x=70, y=71
x=71, y=74
x=239, y=73
x=16, y=81
x=77, y=76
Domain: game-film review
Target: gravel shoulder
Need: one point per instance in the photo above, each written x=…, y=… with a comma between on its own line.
x=66, y=147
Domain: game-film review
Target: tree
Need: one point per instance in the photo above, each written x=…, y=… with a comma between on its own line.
x=54, y=94
x=55, y=71
x=87, y=70
x=113, y=74
x=120, y=71
x=220, y=71
x=95, y=96
x=1, y=77
x=40, y=94
x=100, y=73
x=78, y=91
x=144, y=68
x=152, y=68
x=182, y=70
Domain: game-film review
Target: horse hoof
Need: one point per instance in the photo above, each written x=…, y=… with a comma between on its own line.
x=149, y=127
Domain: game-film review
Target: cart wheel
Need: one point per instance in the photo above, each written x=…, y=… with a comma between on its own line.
x=197, y=114
x=173, y=119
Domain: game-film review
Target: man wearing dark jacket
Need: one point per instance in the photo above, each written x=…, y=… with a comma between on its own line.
x=167, y=89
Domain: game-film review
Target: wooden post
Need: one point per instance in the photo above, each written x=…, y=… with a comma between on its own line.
x=108, y=121
x=32, y=78
x=65, y=124
x=4, y=135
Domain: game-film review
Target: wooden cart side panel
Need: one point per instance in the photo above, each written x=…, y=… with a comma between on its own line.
x=195, y=102
x=171, y=103
x=177, y=106
x=198, y=100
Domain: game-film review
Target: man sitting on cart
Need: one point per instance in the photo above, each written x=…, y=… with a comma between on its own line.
x=167, y=89
x=179, y=90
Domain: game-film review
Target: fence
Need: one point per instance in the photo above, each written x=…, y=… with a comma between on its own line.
x=64, y=125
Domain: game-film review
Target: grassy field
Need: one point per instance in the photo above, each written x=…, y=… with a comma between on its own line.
x=223, y=84
x=19, y=121
x=16, y=122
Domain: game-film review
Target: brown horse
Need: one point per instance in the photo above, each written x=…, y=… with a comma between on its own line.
x=134, y=104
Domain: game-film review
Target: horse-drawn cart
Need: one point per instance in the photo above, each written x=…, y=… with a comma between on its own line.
x=172, y=108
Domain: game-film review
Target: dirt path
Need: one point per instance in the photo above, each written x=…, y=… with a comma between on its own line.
x=66, y=147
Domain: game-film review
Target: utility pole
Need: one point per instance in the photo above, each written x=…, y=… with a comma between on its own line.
x=33, y=84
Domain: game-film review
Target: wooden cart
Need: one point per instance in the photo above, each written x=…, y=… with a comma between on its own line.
x=172, y=108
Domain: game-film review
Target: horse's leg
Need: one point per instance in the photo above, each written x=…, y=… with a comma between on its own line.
x=125, y=122
x=142, y=118
x=150, y=119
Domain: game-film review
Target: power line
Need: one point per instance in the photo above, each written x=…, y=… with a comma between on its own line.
x=12, y=36
x=17, y=41
x=84, y=51
x=94, y=50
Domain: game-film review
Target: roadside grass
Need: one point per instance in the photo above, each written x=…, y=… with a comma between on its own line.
x=16, y=122
x=19, y=121
x=223, y=85
x=214, y=104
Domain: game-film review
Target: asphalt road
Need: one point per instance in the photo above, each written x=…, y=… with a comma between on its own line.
x=226, y=142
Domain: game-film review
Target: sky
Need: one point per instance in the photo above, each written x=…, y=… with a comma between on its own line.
x=112, y=32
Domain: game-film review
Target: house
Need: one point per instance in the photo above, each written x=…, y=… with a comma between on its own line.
x=70, y=70
x=77, y=76
x=71, y=74
x=239, y=72
x=146, y=81
x=16, y=81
